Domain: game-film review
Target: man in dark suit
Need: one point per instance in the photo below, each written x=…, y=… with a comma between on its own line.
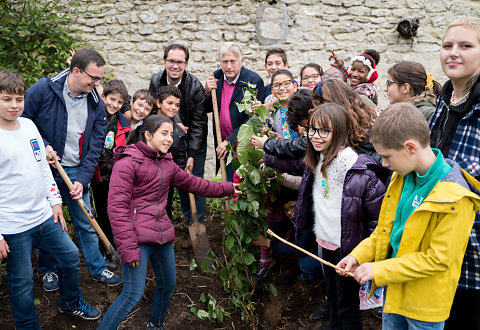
x=229, y=81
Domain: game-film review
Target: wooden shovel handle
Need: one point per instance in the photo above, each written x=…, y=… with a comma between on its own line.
x=216, y=119
x=308, y=253
x=193, y=205
x=86, y=211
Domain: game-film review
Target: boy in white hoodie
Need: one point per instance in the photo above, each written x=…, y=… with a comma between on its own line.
x=31, y=212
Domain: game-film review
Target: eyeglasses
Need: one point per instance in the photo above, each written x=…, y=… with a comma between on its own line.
x=313, y=77
x=389, y=83
x=333, y=75
x=322, y=132
x=286, y=84
x=173, y=62
x=92, y=77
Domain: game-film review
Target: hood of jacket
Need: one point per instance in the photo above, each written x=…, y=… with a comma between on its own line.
x=138, y=150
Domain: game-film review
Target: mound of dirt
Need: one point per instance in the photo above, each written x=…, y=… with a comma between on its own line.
x=290, y=309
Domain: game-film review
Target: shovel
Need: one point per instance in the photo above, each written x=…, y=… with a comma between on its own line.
x=87, y=213
x=223, y=169
x=198, y=233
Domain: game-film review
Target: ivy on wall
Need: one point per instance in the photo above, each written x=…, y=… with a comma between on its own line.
x=35, y=37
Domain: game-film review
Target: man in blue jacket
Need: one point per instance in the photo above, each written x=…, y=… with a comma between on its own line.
x=71, y=118
x=229, y=81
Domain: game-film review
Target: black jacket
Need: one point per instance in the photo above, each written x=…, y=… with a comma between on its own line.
x=192, y=108
x=296, y=148
x=286, y=148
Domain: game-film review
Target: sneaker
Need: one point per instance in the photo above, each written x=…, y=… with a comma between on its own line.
x=369, y=303
x=321, y=314
x=155, y=327
x=108, y=278
x=265, y=266
x=83, y=310
x=378, y=313
x=111, y=265
x=50, y=282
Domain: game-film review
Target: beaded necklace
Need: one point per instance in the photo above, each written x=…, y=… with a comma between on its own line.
x=459, y=101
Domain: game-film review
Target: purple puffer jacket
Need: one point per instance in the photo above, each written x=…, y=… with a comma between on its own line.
x=138, y=197
x=363, y=191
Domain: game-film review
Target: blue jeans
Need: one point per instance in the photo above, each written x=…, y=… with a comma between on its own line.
x=86, y=235
x=163, y=263
x=49, y=238
x=392, y=321
x=311, y=266
x=200, y=202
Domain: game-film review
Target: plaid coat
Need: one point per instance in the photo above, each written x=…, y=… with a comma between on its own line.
x=465, y=150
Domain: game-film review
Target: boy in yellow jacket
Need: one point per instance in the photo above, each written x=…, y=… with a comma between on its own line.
x=425, y=220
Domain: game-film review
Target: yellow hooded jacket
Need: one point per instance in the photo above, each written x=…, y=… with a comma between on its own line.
x=422, y=279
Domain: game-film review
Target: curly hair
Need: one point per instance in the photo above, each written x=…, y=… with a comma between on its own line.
x=298, y=107
x=361, y=115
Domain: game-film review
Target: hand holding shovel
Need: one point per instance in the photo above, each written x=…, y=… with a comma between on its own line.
x=86, y=211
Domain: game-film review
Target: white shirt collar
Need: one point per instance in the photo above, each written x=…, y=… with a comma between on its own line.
x=234, y=80
x=176, y=85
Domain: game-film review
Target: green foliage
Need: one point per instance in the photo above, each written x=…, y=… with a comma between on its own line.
x=249, y=211
x=214, y=313
x=35, y=37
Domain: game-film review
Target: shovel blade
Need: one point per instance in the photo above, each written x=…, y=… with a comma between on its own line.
x=201, y=247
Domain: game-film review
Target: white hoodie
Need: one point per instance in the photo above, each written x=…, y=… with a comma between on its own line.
x=27, y=188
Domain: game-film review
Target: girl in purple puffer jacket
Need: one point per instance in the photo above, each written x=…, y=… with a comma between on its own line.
x=142, y=230
x=341, y=192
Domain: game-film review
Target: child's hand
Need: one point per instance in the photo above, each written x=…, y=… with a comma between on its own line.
x=349, y=264
x=336, y=61
x=69, y=60
x=189, y=166
x=4, y=249
x=237, y=189
x=261, y=241
x=259, y=141
x=364, y=273
x=58, y=214
x=185, y=129
x=278, y=135
x=255, y=105
x=133, y=264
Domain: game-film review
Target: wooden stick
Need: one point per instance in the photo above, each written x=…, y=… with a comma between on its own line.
x=87, y=212
x=308, y=253
x=223, y=169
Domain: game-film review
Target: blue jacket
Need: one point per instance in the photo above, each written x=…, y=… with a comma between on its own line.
x=45, y=106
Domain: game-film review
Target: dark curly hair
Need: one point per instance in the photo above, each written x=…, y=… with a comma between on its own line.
x=298, y=107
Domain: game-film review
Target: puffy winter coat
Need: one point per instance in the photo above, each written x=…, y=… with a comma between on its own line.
x=138, y=193
x=422, y=279
x=363, y=191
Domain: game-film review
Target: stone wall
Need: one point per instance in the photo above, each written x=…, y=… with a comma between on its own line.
x=132, y=34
